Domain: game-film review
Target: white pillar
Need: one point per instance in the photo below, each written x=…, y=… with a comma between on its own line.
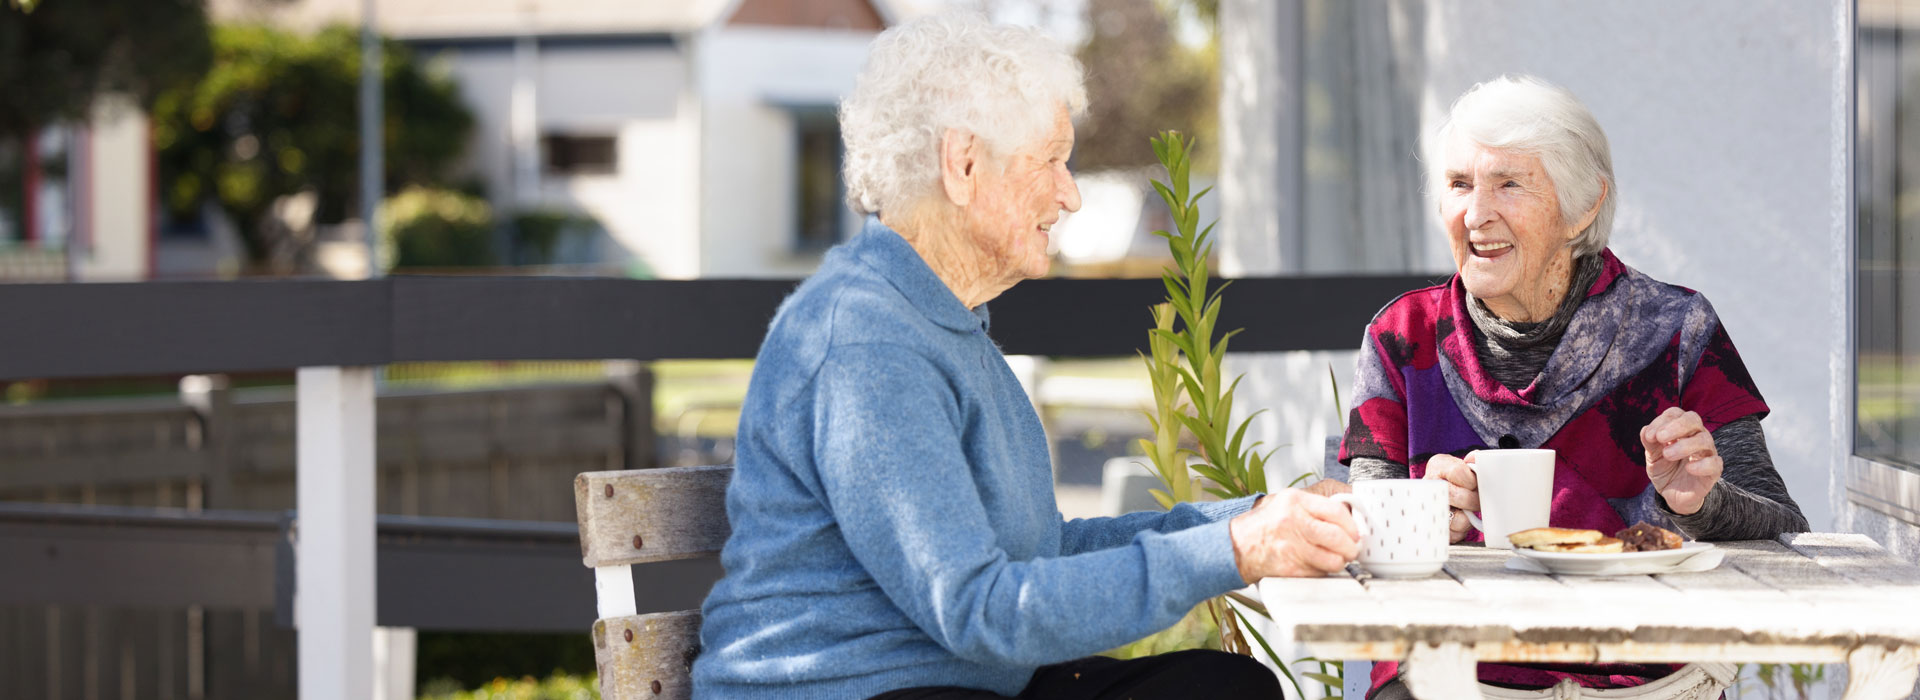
x=523, y=120
x=116, y=247
x=393, y=649
x=334, y=578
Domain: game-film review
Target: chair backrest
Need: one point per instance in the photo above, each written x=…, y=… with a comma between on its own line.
x=637, y=517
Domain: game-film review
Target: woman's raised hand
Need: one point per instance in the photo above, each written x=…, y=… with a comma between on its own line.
x=1463, y=491
x=1293, y=533
x=1682, y=461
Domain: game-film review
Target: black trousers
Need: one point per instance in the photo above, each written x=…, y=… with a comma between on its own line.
x=1182, y=675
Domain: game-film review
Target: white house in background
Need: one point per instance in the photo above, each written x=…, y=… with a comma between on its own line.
x=700, y=133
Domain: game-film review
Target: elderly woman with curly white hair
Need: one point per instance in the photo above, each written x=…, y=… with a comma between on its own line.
x=895, y=533
x=1544, y=339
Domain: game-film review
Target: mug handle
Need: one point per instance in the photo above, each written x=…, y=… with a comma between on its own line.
x=1359, y=515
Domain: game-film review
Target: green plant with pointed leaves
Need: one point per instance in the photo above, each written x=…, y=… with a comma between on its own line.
x=1184, y=364
x=1163, y=372
x=1190, y=398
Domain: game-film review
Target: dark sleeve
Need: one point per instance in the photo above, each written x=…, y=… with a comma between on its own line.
x=1750, y=502
x=1364, y=468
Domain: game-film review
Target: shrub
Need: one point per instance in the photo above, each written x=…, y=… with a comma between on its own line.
x=556, y=687
x=428, y=227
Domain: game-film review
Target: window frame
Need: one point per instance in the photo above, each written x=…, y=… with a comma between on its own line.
x=1887, y=488
x=804, y=116
x=548, y=140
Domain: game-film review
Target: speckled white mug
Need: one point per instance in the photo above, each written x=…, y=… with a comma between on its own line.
x=1403, y=525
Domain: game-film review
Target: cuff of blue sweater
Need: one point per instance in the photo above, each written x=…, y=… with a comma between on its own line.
x=1208, y=550
x=1216, y=511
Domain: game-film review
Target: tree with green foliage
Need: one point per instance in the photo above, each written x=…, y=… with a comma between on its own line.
x=277, y=115
x=56, y=56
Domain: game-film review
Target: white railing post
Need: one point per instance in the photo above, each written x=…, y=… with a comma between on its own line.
x=334, y=553
x=393, y=650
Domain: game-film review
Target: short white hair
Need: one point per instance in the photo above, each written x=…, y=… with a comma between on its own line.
x=1527, y=114
x=1004, y=84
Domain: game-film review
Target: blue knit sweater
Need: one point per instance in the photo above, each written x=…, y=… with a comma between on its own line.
x=893, y=516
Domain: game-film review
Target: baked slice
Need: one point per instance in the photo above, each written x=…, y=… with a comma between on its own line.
x=1553, y=535
x=1604, y=545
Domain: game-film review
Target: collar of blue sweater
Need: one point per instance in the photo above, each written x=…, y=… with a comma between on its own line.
x=887, y=252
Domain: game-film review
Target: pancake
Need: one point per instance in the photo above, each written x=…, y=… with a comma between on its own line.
x=1605, y=545
x=1553, y=535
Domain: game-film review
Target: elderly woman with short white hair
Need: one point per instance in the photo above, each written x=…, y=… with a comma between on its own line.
x=895, y=533
x=1544, y=339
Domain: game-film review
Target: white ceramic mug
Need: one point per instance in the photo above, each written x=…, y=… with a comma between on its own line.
x=1516, y=492
x=1403, y=525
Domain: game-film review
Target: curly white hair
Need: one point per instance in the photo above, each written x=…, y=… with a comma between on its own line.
x=1001, y=83
x=1528, y=114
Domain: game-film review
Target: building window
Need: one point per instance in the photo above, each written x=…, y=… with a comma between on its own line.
x=1887, y=234
x=575, y=154
x=820, y=212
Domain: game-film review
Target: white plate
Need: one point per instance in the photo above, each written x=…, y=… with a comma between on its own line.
x=1691, y=556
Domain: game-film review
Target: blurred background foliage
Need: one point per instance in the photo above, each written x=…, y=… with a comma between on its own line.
x=447, y=663
x=558, y=686
x=56, y=56
x=428, y=228
x=433, y=227
x=536, y=233
x=1146, y=75
x=277, y=115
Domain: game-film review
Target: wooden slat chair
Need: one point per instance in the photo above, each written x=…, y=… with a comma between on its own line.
x=637, y=517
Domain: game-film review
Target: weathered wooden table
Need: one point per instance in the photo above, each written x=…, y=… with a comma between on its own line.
x=1808, y=598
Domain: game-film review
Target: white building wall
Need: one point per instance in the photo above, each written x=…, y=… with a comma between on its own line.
x=707, y=145
x=485, y=76
x=640, y=94
x=1728, y=125
x=749, y=77
x=634, y=91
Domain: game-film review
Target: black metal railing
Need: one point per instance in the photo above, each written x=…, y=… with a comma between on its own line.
x=98, y=330
x=91, y=330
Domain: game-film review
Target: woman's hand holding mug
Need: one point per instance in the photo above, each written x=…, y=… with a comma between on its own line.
x=1463, y=491
x=1513, y=487
x=1293, y=533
